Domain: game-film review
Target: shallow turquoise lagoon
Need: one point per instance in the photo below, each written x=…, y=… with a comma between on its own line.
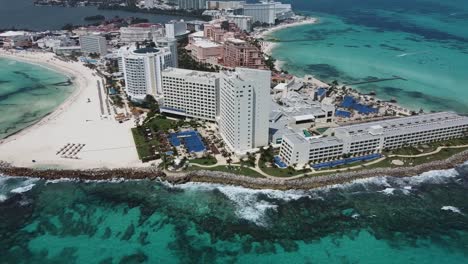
x=28, y=92
x=423, y=42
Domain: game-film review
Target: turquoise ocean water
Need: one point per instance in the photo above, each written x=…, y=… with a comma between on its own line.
x=27, y=93
x=423, y=219
x=423, y=41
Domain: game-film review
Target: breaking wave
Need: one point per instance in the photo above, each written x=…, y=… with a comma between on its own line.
x=451, y=209
x=23, y=189
x=251, y=205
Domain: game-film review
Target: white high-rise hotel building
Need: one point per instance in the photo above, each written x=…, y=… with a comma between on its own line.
x=93, y=44
x=142, y=70
x=244, y=108
x=189, y=93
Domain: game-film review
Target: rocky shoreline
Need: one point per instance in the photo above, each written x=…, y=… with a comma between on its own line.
x=203, y=176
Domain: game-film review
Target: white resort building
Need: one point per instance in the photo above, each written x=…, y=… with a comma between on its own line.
x=140, y=33
x=142, y=70
x=189, y=93
x=264, y=12
x=93, y=44
x=244, y=109
x=373, y=137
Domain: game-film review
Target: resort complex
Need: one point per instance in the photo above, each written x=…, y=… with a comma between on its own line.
x=373, y=137
x=208, y=95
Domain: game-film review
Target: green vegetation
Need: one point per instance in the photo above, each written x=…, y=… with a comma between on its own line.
x=187, y=62
x=117, y=100
x=159, y=123
x=443, y=154
x=94, y=55
x=267, y=156
x=142, y=146
x=209, y=160
x=277, y=172
x=230, y=169
x=150, y=134
x=407, y=151
x=270, y=63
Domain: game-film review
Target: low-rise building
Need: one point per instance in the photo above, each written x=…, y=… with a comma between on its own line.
x=67, y=50
x=204, y=50
x=52, y=42
x=373, y=137
x=297, y=112
x=189, y=93
x=16, y=39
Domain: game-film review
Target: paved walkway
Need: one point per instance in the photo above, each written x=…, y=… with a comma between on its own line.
x=428, y=153
x=312, y=173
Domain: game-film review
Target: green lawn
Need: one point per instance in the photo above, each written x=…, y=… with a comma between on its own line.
x=140, y=143
x=407, y=151
x=443, y=154
x=156, y=124
x=277, y=172
x=205, y=161
x=159, y=123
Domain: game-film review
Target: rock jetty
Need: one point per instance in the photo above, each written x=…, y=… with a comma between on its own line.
x=205, y=176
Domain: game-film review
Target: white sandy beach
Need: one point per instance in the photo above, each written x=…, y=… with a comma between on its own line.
x=268, y=46
x=76, y=121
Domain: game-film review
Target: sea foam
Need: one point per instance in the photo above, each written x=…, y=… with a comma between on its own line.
x=23, y=189
x=251, y=205
x=451, y=208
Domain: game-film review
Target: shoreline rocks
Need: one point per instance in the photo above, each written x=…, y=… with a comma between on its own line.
x=204, y=176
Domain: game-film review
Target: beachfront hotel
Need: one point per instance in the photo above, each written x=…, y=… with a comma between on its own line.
x=244, y=23
x=244, y=109
x=264, y=12
x=171, y=44
x=93, y=44
x=140, y=32
x=373, y=137
x=189, y=93
x=142, y=69
x=240, y=53
x=203, y=49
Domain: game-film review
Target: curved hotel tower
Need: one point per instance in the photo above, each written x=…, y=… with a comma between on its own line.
x=142, y=70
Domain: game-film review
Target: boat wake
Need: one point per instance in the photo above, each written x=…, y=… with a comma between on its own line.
x=412, y=53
